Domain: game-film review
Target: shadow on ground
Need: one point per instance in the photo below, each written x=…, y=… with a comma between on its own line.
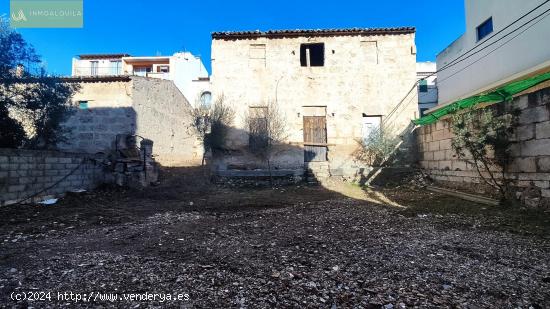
x=289, y=246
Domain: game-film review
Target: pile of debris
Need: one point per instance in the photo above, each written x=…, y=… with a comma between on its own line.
x=134, y=166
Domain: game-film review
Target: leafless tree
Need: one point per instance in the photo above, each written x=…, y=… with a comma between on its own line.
x=267, y=128
x=211, y=123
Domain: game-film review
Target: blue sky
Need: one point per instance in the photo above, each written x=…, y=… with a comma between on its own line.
x=144, y=28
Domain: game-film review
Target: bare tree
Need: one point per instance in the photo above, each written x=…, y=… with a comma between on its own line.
x=211, y=123
x=267, y=128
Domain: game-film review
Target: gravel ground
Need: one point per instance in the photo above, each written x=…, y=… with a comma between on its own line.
x=258, y=248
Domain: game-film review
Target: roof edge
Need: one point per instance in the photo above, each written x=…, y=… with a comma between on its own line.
x=312, y=32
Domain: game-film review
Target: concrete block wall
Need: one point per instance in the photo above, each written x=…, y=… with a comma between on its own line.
x=26, y=172
x=530, y=168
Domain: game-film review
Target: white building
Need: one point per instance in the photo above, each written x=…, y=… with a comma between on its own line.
x=427, y=86
x=499, y=54
x=184, y=69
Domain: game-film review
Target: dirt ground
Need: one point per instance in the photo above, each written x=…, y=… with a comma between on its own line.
x=332, y=246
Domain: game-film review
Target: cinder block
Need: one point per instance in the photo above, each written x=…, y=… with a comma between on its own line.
x=459, y=165
x=524, y=165
x=450, y=155
x=545, y=193
x=26, y=180
x=521, y=102
x=425, y=164
x=25, y=166
x=445, y=165
x=16, y=188
x=525, y=132
x=51, y=173
x=543, y=164
x=20, y=159
x=21, y=173
x=543, y=184
x=439, y=155
x=4, y=159
x=65, y=160
x=438, y=135
x=36, y=172
x=535, y=147
x=533, y=176
x=428, y=155
x=534, y=115
x=543, y=130
x=445, y=144
x=433, y=146
x=51, y=160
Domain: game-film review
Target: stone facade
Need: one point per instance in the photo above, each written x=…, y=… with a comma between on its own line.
x=153, y=109
x=365, y=73
x=26, y=172
x=530, y=168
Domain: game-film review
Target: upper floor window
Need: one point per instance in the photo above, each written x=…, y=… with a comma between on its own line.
x=116, y=67
x=163, y=69
x=423, y=85
x=485, y=29
x=206, y=99
x=312, y=55
x=142, y=71
x=94, y=68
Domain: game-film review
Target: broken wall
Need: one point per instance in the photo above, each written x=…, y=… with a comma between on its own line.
x=152, y=108
x=164, y=116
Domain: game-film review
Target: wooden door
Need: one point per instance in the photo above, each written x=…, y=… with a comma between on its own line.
x=315, y=138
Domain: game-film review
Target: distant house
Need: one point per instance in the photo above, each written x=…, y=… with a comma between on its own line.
x=184, y=69
x=505, y=40
x=333, y=87
x=427, y=86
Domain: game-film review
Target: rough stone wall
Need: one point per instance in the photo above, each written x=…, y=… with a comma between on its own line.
x=26, y=172
x=152, y=108
x=361, y=75
x=164, y=116
x=530, y=168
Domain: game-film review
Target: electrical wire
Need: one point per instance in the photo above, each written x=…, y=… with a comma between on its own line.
x=494, y=35
x=492, y=51
x=459, y=59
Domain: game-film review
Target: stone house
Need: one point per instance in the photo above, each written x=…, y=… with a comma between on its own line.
x=333, y=87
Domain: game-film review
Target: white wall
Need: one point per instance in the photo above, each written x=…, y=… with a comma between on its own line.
x=185, y=70
x=528, y=52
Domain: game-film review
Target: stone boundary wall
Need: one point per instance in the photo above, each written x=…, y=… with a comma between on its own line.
x=26, y=172
x=530, y=168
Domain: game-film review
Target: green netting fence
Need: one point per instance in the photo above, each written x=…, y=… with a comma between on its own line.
x=498, y=95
